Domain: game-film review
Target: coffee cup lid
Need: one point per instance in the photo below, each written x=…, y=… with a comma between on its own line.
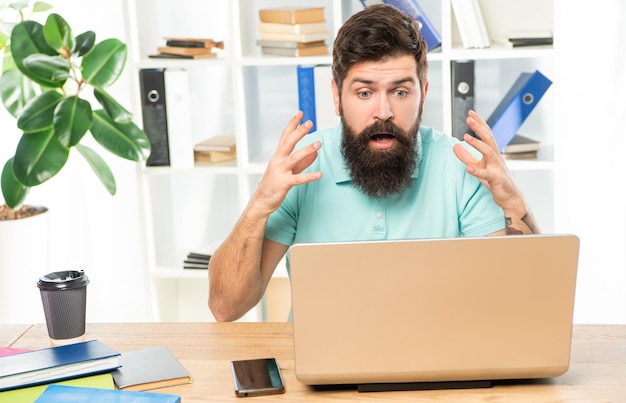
x=63, y=280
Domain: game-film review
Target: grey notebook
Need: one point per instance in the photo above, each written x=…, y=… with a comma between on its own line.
x=150, y=368
x=433, y=310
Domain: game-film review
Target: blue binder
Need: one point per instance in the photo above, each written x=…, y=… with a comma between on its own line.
x=306, y=93
x=516, y=105
x=412, y=8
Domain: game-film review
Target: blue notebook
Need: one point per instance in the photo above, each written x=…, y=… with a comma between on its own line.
x=74, y=394
x=57, y=363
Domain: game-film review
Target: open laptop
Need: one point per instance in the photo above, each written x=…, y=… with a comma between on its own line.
x=462, y=309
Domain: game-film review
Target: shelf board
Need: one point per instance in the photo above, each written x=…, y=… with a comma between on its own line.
x=225, y=168
x=500, y=52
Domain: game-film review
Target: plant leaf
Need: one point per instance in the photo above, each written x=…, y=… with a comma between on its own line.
x=16, y=90
x=13, y=191
x=100, y=167
x=38, y=114
x=125, y=140
x=38, y=157
x=40, y=6
x=50, y=71
x=112, y=107
x=84, y=43
x=72, y=119
x=104, y=64
x=58, y=34
x=27, y=39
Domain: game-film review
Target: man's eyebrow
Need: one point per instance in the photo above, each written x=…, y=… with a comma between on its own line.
x=399, y=81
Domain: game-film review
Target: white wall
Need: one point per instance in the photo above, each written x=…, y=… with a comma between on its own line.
x=591, y=179
x=101, y=234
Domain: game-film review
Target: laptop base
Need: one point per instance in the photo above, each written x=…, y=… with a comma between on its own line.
x=403, y=386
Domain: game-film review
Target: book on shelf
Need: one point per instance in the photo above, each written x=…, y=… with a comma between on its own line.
x=295, y=52
x=211, y=157
x=31, y=393
x=64, y=394
x=521, y=144
x=305, y=38
x=149, y=369
x=290, y=44
x=217, y=143
x=172, y=56
x=293, y=28
x=181, y=51
x=194, y=42
x=526, y=38
x=521, y=155
x=196, y=260
x=292, y=15
x=219, y=148
x=471, y=24
x=57, y=363
x=412, y=8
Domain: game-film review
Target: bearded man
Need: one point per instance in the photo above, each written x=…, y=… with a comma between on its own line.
x=379, y=175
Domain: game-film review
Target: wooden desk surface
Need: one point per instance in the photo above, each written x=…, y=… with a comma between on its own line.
x=597, y=372
x=9, y=334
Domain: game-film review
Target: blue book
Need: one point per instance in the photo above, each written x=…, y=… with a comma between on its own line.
x=57, y=363
x=516, y=105
x=306, y=93
x=74, y=394
x=412, y=8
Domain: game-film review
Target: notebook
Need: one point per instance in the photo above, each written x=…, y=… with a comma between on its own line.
x=462, y=309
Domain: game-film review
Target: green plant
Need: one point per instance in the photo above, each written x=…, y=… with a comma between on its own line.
x=48, y=77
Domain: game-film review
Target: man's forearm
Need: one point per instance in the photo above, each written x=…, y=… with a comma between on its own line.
x=235, y=279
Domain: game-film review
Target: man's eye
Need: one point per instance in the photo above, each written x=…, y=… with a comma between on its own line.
x=363, y=94
x=401, y=93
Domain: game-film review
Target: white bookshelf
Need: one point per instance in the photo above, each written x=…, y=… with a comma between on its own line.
x=253, y=96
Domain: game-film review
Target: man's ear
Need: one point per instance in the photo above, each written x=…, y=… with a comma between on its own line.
x=335, y=90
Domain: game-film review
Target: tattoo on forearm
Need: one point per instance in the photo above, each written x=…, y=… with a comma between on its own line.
x=511, y=230
x=526, y=219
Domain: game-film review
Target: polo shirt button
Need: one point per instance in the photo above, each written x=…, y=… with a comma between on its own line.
x=379, y=214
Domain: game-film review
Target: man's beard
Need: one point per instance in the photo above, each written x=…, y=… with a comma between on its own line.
x=379, y=173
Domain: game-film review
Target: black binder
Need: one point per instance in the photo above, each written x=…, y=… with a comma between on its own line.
x=462, y=95
x=154, y=115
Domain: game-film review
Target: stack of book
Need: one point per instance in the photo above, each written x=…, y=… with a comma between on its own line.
x=521, y=147
x=197, y=261
x=188, y=48
x=89, y=371
x=215, y=149
x=293, y=31
x=529, y=38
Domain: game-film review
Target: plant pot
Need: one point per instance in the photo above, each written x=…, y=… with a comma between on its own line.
x=24, y=257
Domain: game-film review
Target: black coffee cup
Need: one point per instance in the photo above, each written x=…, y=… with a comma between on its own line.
x=64, y=298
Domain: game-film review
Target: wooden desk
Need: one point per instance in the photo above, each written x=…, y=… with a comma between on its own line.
x=10, y=333
x=597, y=372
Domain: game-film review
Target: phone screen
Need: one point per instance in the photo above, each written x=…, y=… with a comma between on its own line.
x=257, y=377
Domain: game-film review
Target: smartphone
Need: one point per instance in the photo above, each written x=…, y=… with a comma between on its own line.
x=257, y=377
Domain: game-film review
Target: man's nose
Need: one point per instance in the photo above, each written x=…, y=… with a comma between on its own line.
x=383, y=109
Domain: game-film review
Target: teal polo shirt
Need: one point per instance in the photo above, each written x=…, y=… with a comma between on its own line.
x=444, y=201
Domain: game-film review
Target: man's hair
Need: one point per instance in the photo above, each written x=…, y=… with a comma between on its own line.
x=377, y=33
